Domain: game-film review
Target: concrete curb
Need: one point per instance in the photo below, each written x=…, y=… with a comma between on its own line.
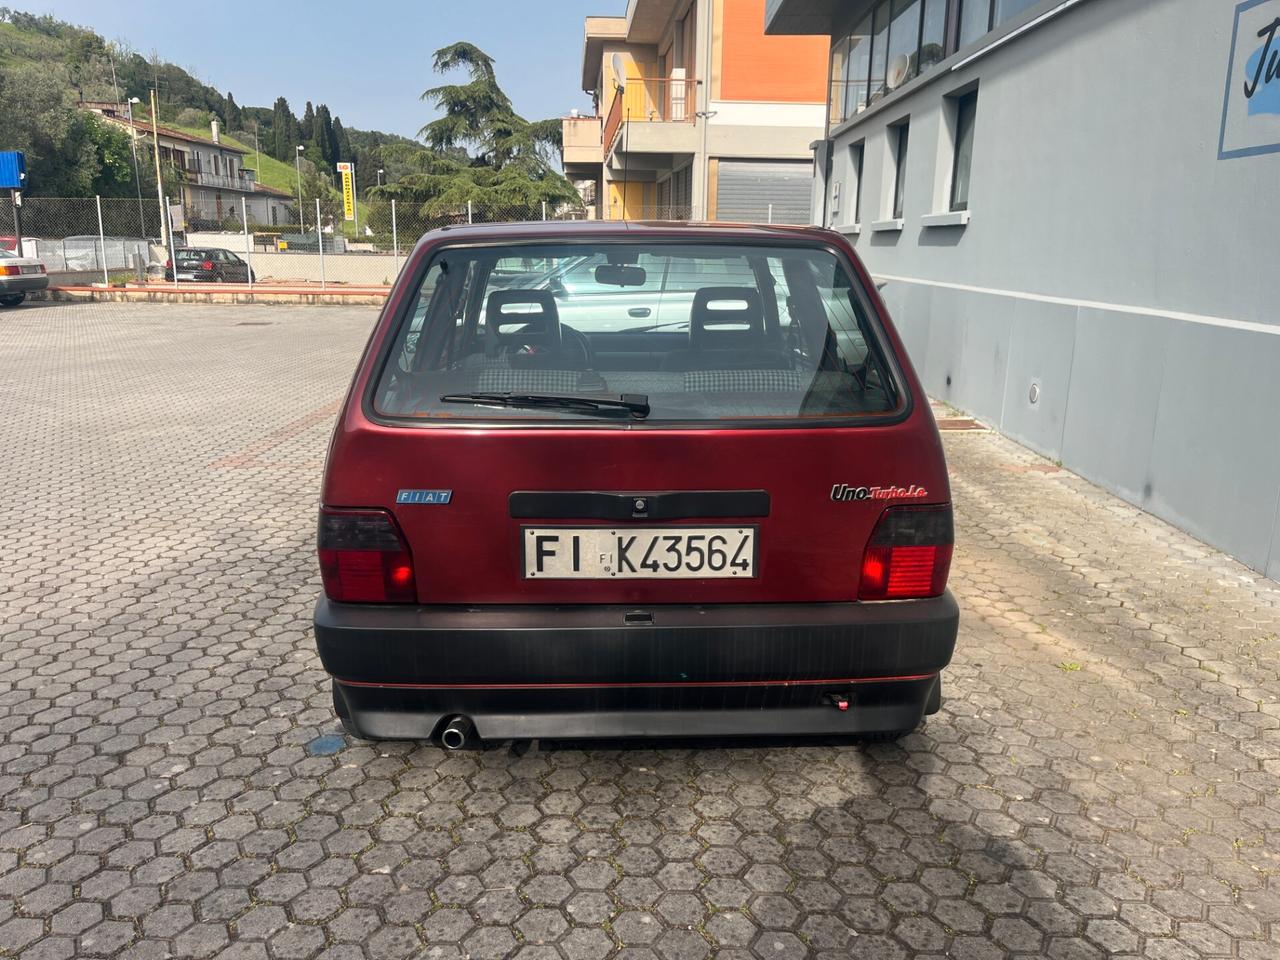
x=215, y=293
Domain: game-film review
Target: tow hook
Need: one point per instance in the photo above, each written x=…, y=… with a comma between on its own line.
x=839, y=700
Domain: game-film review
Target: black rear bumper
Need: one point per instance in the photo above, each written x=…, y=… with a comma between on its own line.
x=24, y=284
x=539, y=671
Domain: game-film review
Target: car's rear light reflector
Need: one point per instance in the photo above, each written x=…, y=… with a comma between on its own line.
x=909, y=555
x=363, y=558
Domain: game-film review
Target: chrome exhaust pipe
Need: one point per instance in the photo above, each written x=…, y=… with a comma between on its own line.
x=458, y=733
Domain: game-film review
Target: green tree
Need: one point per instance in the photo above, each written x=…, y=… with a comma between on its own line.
x=284, y=131
x=86, y=47
x=316, y=185
x=69, y=153
x=233, y=118
x=483, y=152
x=341, y=141
x=308, y=129
x=323, y=136
x=479, y=115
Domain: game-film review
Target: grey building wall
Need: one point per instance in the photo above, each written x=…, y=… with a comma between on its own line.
x=1112, y=261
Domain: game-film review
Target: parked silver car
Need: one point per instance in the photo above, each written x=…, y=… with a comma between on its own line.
x=19, y=276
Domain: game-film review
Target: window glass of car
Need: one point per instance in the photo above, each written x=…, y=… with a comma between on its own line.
x=734, y=332
x=579, y=278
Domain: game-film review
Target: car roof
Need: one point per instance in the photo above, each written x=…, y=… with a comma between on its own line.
x=638, y=230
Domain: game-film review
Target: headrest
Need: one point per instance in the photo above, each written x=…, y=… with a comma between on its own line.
x=524, y=316
x=726, y=317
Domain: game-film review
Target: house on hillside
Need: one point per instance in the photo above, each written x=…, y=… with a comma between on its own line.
x=211, y=173
x=700, y=115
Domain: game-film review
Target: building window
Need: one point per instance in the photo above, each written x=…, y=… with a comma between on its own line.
x=904, y=43
x=1008, y=9
x=975, y=20
x=966, y=108
x=856, y=152
x=979, y=16
x=858, y=68
x=895, y=41
x=898, y=138
x=879, y=52
x=933, y=34
x=839, y=80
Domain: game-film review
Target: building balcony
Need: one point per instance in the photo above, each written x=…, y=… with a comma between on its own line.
x=583, y=142
x=652, y=115
x=202, y=178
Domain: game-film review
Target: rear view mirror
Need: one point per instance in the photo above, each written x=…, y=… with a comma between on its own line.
x=618, y=275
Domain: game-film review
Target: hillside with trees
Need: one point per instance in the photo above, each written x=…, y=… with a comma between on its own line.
x=479, y=150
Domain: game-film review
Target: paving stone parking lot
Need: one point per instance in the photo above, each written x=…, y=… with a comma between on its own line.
x=1103, y=779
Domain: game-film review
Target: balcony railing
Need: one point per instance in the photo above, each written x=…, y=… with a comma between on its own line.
x=205, y=179
x=846, y=99
x=652, y=211
x=612, y=123
x=650, y=100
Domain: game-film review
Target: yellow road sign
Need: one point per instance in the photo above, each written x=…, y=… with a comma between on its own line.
x=348, y=191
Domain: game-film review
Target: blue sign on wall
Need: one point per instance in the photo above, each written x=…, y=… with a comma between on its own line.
x=1251, y=104
x=13, y=170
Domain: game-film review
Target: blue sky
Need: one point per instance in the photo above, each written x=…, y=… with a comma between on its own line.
x=368, y=61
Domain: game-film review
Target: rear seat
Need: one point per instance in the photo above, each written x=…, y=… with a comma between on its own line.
x=727, y=332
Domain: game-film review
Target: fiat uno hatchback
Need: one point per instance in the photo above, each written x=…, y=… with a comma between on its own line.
x=608, y=479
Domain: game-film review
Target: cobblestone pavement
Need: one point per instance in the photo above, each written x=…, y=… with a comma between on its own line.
x=1103, y=780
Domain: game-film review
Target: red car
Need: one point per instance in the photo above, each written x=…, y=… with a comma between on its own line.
x=609, y=478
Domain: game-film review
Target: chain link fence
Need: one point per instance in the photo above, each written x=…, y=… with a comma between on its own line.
x=129, y=241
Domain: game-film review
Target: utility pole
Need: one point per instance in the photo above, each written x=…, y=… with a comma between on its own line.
x=15, y=197
x=114, y=85
x=297, y=165
x=137, y=177
x=155, y=147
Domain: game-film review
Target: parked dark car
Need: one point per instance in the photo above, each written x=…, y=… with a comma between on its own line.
x=692, y=486
x=210, y=264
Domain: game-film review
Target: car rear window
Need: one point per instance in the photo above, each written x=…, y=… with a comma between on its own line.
x=698, y=332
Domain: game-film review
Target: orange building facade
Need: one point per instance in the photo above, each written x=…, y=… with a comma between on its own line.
x=698, y=114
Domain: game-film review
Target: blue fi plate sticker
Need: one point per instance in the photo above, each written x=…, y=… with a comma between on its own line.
x=436, y=497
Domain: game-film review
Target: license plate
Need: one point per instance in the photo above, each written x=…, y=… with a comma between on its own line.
x=639, y=553
x=30, y=268
x=186, y=276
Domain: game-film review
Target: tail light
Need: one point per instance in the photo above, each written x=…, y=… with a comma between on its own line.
x=363, y=558
x=909, y=555
x=168, y=264
x=10, y=271
x=207, y=265
x=42, y=269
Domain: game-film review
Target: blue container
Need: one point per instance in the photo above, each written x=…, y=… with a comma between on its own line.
x=13, y=170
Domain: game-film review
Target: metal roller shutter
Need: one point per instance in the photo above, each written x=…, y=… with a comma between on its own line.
x=745, y=188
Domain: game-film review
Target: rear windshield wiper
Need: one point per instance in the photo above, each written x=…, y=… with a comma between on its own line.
x=635, y=404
